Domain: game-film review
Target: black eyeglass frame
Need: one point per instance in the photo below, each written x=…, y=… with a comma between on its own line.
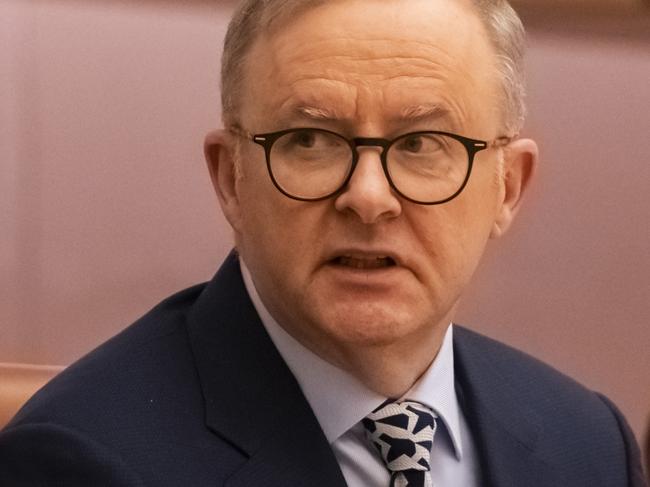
x=473, y=146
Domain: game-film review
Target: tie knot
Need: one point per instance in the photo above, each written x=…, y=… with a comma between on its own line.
x=403, y=433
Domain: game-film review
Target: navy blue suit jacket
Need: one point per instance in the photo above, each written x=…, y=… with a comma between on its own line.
x=195, y=394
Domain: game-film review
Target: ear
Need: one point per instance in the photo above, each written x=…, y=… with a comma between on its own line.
x=219, y=154
x=520, y=163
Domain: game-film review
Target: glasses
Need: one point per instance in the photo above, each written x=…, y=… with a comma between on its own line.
x=428, y=168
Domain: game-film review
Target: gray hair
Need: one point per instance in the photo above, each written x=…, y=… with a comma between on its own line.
x=253, y=17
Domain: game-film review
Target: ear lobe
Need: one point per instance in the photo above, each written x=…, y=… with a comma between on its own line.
x=520, y=164
x=218, y=152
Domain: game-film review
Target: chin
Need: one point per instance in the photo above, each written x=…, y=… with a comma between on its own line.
x=369, y=324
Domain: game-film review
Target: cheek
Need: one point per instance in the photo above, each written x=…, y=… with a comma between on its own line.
x=279, y=233
x=454, y=235
x=258, y=199
x=482, y=197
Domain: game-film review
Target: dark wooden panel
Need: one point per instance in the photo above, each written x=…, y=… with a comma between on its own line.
x=17, y=384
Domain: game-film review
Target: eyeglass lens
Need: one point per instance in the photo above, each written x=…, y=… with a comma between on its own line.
x=312, y=164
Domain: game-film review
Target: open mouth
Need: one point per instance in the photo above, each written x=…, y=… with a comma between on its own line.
x=364, y=262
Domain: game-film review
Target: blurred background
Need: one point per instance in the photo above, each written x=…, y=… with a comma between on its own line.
x=106, y=206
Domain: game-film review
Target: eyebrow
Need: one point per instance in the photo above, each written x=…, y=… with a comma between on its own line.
x=315, y=113
x=435, y=115
x=410, y=114
x=424, y=112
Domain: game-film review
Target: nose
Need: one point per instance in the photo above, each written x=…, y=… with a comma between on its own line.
x=368, y=193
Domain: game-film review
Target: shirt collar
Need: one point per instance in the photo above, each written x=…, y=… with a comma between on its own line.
x=339, y=400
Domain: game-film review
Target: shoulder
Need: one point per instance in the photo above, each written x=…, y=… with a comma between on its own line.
x=472, y=347
x=496, y=370
x=534, y=381
x=140, y=355
x=132, y=403
x=567, y=423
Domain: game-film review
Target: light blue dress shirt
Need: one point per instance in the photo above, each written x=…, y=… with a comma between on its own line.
x=340, y=402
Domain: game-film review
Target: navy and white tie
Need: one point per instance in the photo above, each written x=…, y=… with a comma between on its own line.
x=403, y=434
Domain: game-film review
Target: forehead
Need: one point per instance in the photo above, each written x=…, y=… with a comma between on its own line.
x=361, y=61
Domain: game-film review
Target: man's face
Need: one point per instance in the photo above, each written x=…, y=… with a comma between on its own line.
x=367, y=268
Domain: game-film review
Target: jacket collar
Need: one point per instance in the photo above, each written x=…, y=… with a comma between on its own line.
x=251, y=398
x=505, y=426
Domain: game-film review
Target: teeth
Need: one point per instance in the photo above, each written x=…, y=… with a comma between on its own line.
x=371, y=263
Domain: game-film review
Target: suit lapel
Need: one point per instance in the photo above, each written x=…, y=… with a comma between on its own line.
x=252, y=400
x=504, y=427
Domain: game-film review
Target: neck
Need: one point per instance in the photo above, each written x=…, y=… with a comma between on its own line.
x=390, y=370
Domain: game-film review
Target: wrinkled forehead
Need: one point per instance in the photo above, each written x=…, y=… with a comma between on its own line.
x=361, y=60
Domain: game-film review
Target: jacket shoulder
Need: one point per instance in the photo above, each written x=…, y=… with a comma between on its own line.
x=132, y=403
x=494, y=367
x=511, y=363
x=123, y=359
x=570, y=426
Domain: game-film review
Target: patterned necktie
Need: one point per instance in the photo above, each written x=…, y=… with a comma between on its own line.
x=403, y=433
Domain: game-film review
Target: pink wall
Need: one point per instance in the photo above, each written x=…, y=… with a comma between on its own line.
x=106, y=207
x=109, y=207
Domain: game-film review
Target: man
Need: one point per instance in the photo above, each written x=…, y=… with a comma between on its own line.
x=370, y=151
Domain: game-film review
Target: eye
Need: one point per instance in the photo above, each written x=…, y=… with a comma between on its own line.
x=412, y=144
x=310, y=141
x=419, y=144
x=305, y=139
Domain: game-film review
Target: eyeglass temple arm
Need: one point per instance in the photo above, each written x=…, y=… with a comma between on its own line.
x=502, y=141
x=237, y=130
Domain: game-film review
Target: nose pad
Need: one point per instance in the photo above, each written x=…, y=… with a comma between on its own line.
x=368, y=193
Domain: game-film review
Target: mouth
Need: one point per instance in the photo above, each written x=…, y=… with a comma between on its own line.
x=364, y=262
